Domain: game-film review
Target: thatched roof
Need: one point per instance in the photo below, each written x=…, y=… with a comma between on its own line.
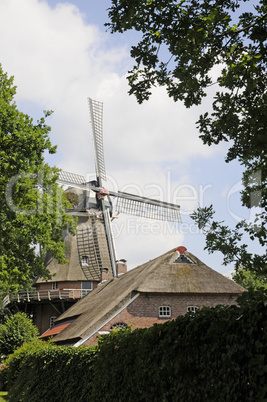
x=161, y=275
x=89, y=241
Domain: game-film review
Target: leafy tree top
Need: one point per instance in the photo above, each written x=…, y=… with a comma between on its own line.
x=187, y=46
x=32, y=205
x=249, y=280
x=181, y=44
x=15, y=331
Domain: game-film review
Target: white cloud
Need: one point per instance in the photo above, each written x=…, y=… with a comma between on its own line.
x=143, y=239
x=58, y=60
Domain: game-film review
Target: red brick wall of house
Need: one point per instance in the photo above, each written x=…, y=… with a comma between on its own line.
x=144, y=310
x=62, y=285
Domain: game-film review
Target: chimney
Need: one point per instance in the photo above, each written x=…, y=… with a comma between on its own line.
x=104, y=274
x=121, y=267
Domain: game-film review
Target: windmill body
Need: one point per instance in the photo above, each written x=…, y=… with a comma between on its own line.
x=98, y=199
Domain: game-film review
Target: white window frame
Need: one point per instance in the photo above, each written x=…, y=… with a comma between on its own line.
x=192, y=309
x=54, y=285
x=165, y=311
x=52, y=320
x=86, y=289
x=85, y=260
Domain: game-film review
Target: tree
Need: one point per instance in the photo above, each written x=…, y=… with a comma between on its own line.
x=249, y=280
x=32, y=205
x=181, y=43
x=17, y=330
x=5, y=313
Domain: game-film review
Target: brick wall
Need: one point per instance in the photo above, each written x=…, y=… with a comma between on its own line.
x=62, y=285
x=144, y=310
x=147, y=305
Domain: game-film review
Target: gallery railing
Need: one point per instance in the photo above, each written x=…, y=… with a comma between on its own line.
x=61, y=294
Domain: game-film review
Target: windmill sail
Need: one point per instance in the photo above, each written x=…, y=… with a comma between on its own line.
x=109, y=238
x=72, y=179
x=147, y=207
x=130, y=203
x=96, y=113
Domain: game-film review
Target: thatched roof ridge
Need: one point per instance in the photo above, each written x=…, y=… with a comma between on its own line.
x=160, y=275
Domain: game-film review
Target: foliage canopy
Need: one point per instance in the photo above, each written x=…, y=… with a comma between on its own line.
x=32, y=205
x=250, y=280
x=188, y=46
x=15, y=331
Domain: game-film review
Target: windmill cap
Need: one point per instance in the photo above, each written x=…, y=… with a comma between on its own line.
x=181, y=249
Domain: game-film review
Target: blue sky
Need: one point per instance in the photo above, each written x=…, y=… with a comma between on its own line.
x=60, y=54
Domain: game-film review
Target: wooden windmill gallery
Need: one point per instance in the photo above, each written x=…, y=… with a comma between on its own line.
x=91, y=252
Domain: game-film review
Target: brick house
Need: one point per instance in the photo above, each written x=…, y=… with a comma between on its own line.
x=157, y=291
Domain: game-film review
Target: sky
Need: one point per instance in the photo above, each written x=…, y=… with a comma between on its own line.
x=60, y=53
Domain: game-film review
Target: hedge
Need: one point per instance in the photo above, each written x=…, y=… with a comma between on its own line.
x=41, y=371
x=217, y=354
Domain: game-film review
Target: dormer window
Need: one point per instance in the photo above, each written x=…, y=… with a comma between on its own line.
x=85, y=260
x=183, y=259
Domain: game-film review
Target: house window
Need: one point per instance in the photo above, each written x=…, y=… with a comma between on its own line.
x=86, y=288
x=54, y=285
x=165, y=311
x=85, y=260
x=192, y=309
x=52, y=320
x=87, y=285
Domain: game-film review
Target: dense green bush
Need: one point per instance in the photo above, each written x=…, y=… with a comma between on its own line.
x=44, y=372
x=3, y=372
x=217, y=354
x=16, y=330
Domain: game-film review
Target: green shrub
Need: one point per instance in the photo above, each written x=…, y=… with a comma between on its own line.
x=3, y=372
x=16, y=330
x=15, y=362
x=41, y=371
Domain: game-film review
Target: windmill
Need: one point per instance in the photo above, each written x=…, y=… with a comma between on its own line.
x=97, y=203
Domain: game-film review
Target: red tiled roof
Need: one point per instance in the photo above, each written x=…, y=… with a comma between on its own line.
x=56, y=329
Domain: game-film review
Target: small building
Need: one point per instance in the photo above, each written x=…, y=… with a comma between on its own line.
x=161, y=289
